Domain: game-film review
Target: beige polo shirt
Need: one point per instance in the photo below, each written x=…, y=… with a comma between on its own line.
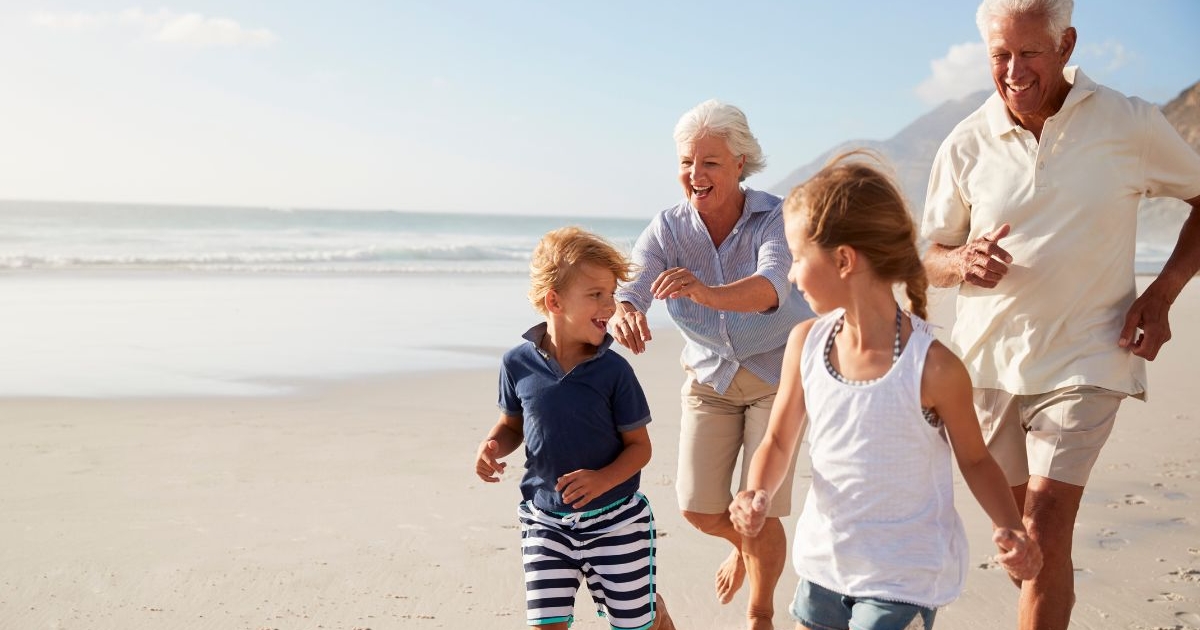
x=1072, y=201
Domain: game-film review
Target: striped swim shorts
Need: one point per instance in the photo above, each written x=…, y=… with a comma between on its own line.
x=612, y=548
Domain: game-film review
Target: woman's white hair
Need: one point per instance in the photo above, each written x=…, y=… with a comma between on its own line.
x=1057, y=13
x=714, y=118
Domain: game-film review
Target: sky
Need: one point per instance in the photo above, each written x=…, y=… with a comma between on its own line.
x=513, y=106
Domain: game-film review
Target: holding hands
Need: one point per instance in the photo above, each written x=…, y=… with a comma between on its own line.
x=1019, y=554
x=749, y=511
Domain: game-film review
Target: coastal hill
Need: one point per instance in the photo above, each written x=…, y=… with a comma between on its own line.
x=911, y=152
x=1184, y=112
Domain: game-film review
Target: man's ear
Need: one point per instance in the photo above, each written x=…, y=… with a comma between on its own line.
x=1067, y=46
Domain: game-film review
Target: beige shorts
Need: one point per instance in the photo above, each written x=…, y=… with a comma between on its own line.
x=1057, y=435
x=714, y=430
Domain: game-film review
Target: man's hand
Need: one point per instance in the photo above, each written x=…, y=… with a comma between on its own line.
x=748, y=512
x=1019, y=554
x=487, y=466
x=982, y=262
x=1146, y=326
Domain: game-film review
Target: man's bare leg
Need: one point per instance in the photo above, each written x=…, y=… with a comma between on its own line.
x=1049, y=508
x=762, y=558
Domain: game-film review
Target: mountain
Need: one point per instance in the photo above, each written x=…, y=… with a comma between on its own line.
x=1184, y=112
x=1159, y=220
x=911, y=152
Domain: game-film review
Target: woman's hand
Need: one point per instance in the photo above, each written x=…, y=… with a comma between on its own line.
x=630, y=328
x=678, y=282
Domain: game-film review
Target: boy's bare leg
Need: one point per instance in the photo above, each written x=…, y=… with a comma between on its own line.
x=662, y=618
x=761, y=558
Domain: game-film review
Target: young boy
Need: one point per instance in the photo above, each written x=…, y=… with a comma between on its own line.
x=582, y=416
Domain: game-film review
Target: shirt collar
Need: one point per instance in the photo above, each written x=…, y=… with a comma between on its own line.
x=756, y=201
x=1000, y=122
x=535, y=334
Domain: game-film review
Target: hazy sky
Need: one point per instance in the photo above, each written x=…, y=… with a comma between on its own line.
x=491, y=106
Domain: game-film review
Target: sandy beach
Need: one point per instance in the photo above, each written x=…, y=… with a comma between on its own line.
x=354, y=505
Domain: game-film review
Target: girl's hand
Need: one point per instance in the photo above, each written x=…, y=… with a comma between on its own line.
x=749, y=511
x=1019, y=554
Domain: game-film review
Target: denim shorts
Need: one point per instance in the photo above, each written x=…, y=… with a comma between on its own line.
x=822, y=609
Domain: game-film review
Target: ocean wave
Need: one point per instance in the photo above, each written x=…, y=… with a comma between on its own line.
x=413, y=257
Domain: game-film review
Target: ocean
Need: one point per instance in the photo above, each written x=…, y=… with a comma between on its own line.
x=113, y=300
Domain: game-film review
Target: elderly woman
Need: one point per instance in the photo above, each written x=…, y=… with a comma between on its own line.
x=719, y=261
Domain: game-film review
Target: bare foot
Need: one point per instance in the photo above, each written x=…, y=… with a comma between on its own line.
x=730, y=576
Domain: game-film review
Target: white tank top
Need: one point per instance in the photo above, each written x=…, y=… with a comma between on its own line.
x=879, y=519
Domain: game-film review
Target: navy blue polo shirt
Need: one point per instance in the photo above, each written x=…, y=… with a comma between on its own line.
x=571, y=421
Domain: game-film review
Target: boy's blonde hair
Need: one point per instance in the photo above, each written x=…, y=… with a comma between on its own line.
x=851, y=202
x=559, y=254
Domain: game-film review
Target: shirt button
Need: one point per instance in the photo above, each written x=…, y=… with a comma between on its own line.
x=722, y=315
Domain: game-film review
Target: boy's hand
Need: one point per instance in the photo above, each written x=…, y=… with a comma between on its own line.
x=1019, y=554
x=581, y=487
x=749, y=511
x=487, y=467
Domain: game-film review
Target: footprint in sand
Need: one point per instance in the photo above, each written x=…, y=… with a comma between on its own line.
x=1165, y=597
x=1189, y=618
x=1110, y=541
x=1184, y=575
x=1133, y=499
x=1113, y=544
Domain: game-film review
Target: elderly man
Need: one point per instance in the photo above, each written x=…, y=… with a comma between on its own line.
x=1031, y=211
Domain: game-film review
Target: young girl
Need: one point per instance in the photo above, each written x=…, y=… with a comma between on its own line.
x=878, y=545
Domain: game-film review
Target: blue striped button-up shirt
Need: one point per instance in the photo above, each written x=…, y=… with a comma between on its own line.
x=719, y=342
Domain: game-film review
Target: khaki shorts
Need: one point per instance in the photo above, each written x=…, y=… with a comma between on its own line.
x=1057, y=435
x=714, y=430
